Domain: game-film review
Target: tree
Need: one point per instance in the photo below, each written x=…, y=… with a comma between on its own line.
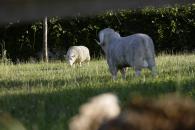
x=45, y=50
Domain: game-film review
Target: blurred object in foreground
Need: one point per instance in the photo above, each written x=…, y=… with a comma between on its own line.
x=93, y=113
x=166, y=113
x=26, y=10
x=169, y=113
x=7, y=122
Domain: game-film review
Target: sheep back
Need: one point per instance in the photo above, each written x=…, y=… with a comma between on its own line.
x=81, y=52
x=131, y=51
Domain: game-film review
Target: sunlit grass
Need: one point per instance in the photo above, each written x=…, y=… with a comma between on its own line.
x=45, y=96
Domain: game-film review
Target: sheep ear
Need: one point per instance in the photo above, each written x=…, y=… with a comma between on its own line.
x=117, y=34
x=97, y=42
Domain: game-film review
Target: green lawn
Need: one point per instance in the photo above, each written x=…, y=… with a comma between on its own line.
x=45, y=96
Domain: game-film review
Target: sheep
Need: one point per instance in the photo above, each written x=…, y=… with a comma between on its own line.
x=169, y=112
x=135, y=51
x=77, y=54
x=92, y=114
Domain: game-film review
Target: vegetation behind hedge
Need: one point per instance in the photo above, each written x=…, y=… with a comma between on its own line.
x=171, y=28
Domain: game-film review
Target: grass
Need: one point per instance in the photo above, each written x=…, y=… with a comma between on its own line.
x=45, y=96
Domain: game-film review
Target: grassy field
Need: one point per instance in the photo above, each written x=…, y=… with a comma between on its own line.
x=45, y=96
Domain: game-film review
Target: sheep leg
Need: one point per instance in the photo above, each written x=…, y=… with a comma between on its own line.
x=137, y=72
x=87, y=60
x=153, y=70
x=138, y=65
x=123, y=72
x=152, y=67
x=80, y=64
x=113, y=71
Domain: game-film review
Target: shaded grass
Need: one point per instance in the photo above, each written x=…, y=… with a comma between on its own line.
x=45, y=96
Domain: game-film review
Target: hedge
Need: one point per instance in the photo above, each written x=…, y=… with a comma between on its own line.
x=171, y=28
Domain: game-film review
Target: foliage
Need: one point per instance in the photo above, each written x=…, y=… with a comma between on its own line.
x=3, y=55
x=172, y=29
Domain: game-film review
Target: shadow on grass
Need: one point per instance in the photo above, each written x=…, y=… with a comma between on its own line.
x=53, y=110
x=49, y=111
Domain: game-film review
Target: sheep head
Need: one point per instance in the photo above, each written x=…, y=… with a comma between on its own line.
x=71, y=56
x=106, y=36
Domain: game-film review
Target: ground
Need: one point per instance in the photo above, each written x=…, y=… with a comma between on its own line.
x=45, y=96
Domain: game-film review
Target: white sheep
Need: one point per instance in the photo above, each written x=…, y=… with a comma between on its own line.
x=135, y=51
x=77, y=54
x=93, y=113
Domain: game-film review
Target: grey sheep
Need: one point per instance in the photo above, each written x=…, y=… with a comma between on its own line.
x=135, y=51
x=77, y=54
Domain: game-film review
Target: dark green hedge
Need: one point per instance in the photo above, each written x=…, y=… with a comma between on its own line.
x=172, y=29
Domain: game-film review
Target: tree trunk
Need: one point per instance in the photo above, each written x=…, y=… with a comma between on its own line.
x=45, y=51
